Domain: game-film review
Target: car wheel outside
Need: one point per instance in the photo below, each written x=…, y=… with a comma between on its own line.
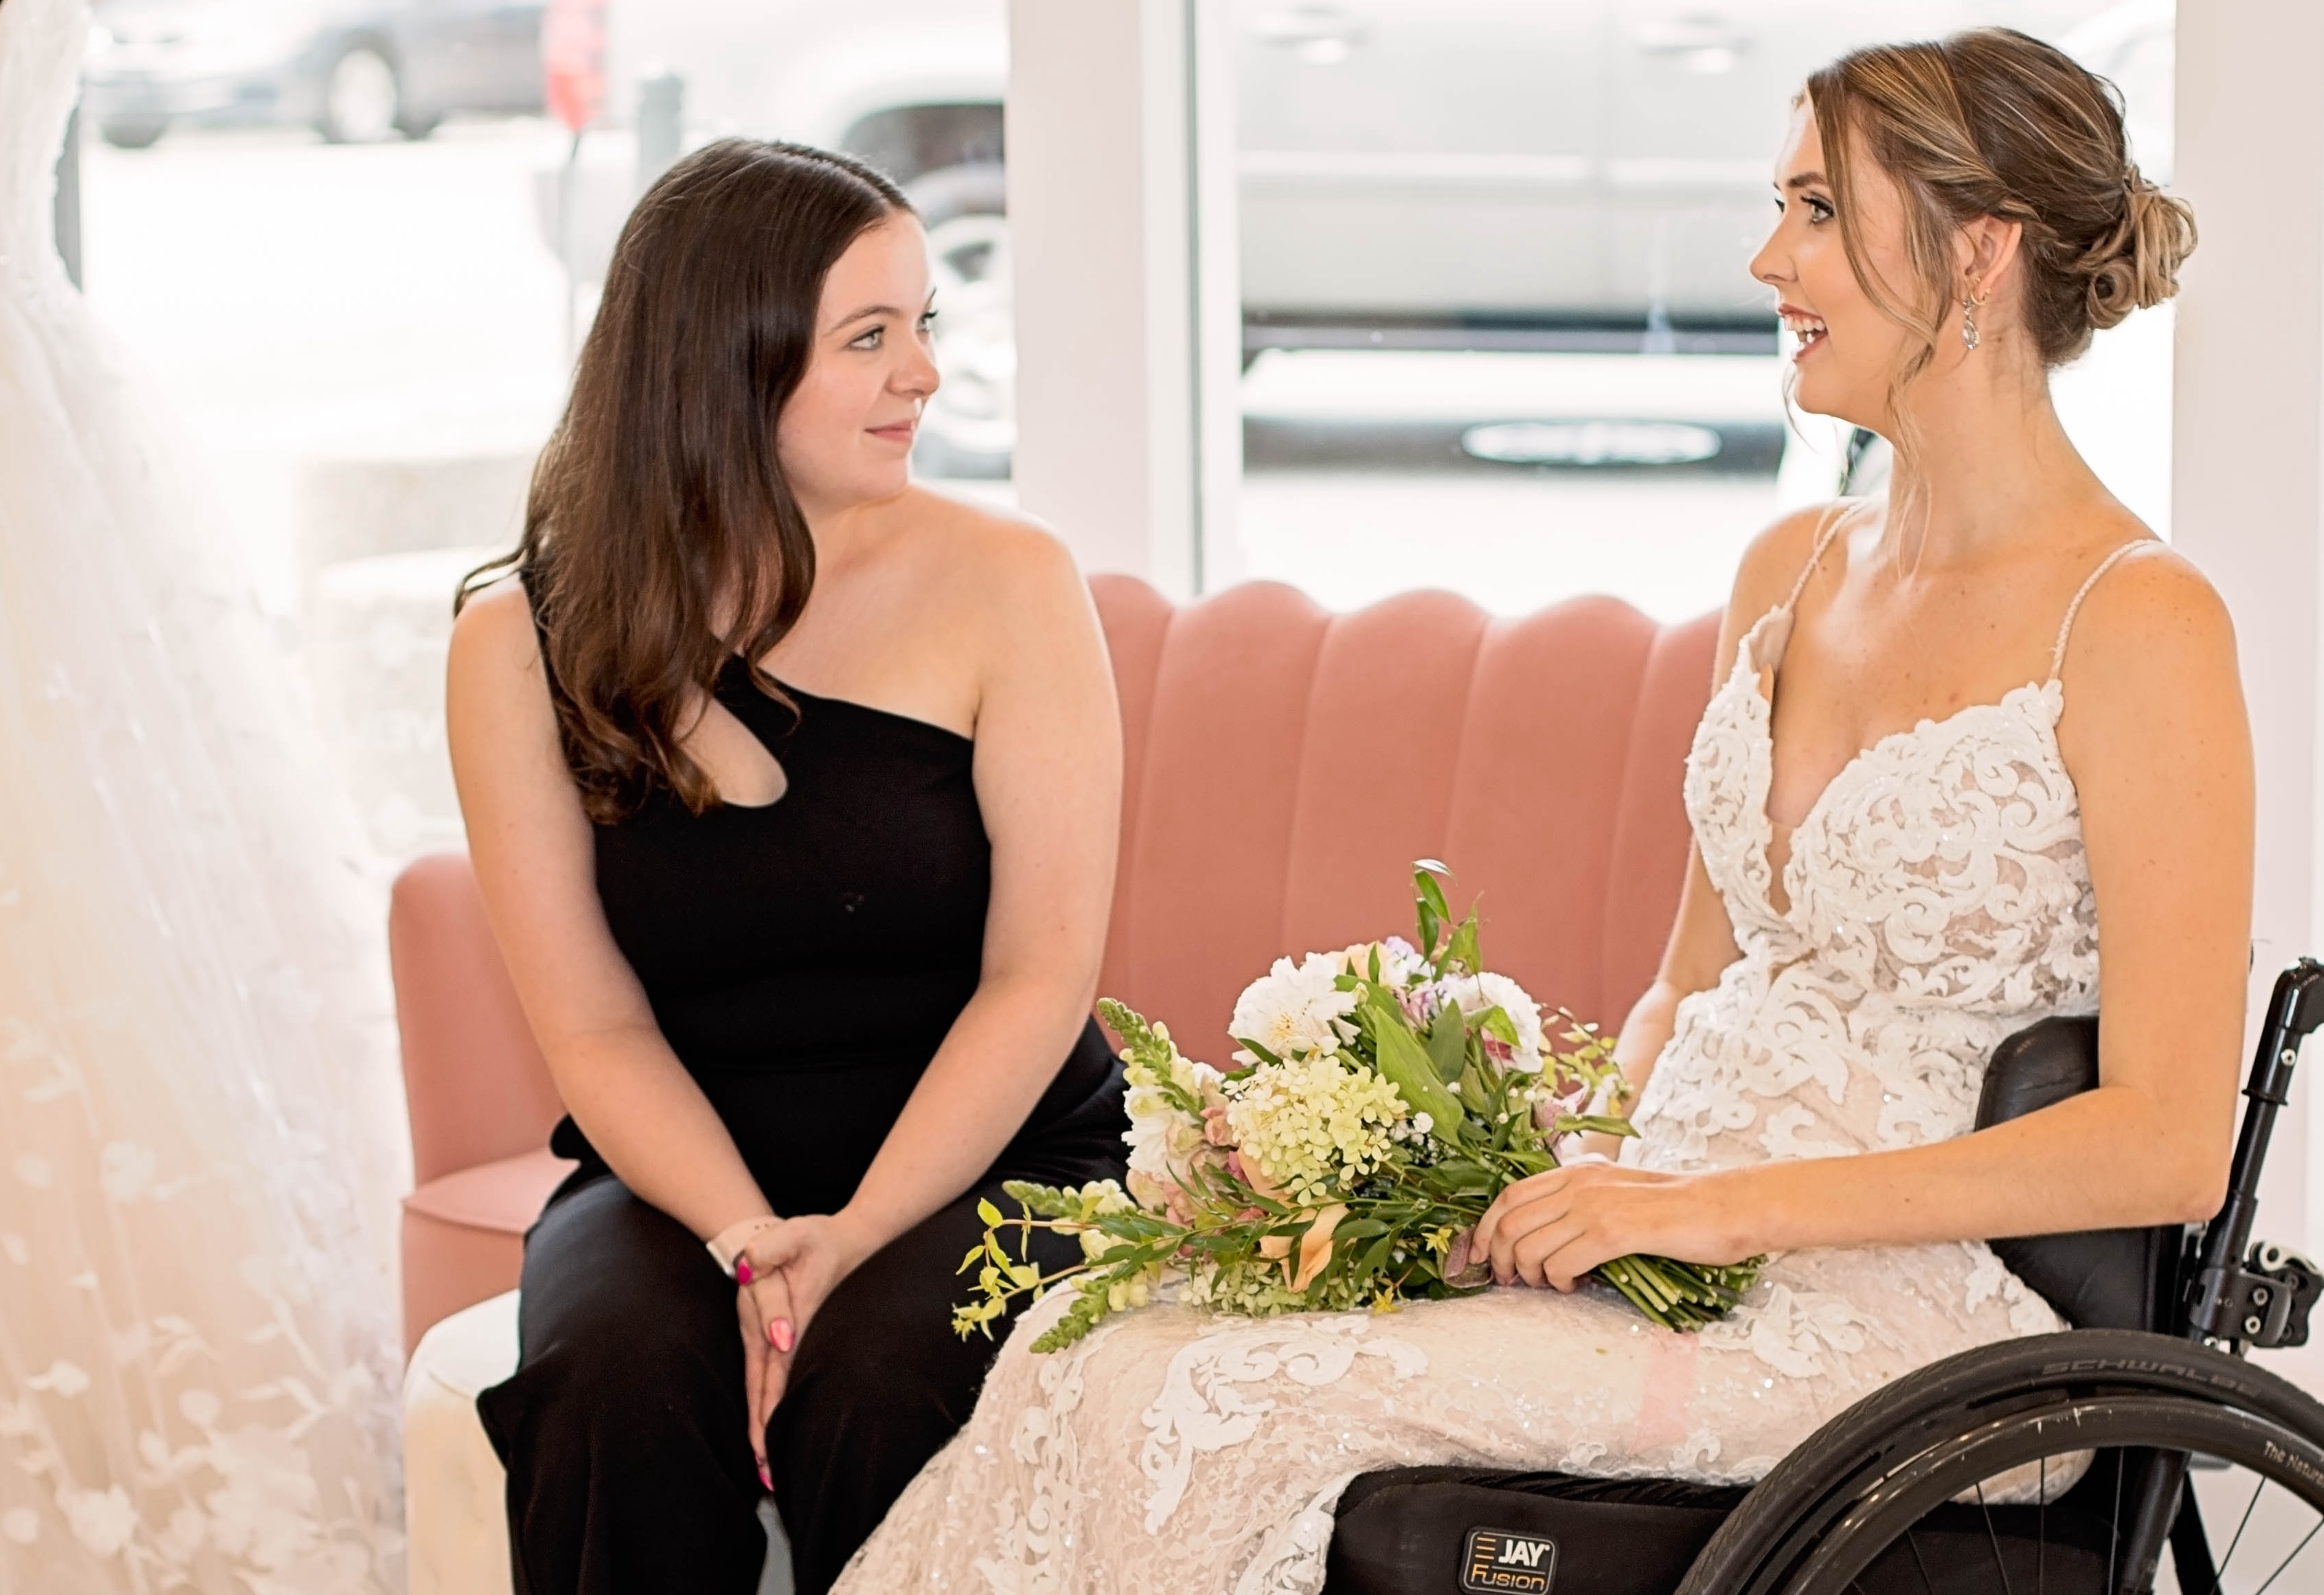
x=969, y=428
x=133, y=133
x=362, y=101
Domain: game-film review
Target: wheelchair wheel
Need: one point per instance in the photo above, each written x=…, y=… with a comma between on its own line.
x=1891, y=1495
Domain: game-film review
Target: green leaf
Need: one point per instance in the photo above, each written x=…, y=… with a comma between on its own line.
x=1448, y=1042
x=1463, y=951
x=1257, y=1051
x=1473, y=1094
x=1430, y=904
x=1495, y=1022
x=1593, y=1124
x=989, y=1214
x=1406, y=1064
x=1374, y=1256
x=1424, y=872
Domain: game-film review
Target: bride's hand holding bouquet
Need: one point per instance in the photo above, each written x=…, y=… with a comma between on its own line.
x=1555, y=1229
x=1388, y=1101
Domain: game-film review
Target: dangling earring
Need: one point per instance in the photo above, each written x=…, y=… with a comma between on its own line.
x=1970, y=303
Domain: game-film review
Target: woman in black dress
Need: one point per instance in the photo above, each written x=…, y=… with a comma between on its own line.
x=792, y=789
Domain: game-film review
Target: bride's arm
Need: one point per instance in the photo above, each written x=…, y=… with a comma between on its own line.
x=2159, y=748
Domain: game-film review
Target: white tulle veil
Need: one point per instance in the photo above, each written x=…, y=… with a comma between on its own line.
x=200, y=1130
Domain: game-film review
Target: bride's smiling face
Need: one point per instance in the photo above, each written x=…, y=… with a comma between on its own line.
x=1847, y=351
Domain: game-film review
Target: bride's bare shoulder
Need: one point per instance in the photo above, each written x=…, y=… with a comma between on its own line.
x=2152, y=609
x=1773, y=559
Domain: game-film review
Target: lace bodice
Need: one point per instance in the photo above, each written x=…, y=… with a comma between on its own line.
x=1936, y=898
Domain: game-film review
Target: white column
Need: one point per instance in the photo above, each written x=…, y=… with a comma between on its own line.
x=2247, y=500
x=1118, y=239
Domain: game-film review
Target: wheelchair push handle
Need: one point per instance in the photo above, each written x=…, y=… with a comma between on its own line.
x=2240, y=1295
x=2229, y=1299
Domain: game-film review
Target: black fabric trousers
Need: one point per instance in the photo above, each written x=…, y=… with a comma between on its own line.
x=629, y=1463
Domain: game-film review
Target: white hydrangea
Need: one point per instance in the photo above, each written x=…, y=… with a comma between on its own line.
x=1312, y=1127
x=1477, y=992
x=1294, y=1011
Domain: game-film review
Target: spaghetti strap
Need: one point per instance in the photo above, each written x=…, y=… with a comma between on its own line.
x=1823, y=540
x=2066, y=626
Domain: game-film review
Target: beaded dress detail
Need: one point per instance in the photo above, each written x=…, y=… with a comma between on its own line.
x=1936, y=899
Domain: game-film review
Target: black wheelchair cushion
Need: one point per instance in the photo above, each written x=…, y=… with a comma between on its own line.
x=1407, y=1531
x=2098, y=1278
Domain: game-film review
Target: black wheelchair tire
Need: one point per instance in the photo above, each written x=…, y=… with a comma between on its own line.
x=1854, y=1486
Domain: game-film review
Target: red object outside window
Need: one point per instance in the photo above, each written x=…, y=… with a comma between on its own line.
x=572, y=58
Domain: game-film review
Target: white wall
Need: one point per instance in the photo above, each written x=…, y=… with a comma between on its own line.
x=1125, y=291
x=2248, y=458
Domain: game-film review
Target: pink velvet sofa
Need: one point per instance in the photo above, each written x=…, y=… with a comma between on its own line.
x=1284, y=767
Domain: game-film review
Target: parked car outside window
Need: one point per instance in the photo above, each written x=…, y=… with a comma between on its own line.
x=358, y=71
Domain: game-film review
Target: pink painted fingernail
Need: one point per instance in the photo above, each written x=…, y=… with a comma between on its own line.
x=779, y=1331
x=765, y=1480
x=742, y=1270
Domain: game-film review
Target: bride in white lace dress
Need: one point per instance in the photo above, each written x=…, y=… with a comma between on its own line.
x=1961, y=739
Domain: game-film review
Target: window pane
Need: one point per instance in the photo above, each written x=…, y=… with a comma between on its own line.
x=1500, y=329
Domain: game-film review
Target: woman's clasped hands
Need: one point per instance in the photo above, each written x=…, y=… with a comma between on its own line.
x=1551, y=1229
x=781, y=1278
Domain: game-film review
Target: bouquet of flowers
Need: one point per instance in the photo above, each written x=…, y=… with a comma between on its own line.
x=1382, y=1097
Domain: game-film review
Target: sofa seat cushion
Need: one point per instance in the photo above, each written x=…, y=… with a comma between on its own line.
x=505, y=1195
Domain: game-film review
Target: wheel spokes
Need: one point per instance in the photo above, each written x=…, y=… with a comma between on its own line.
x=2288, y=1561
x=2219, y=1573
x=1993, y=1537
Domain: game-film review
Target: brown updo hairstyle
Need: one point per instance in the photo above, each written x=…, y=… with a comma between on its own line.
x=1990, y=122
x=661, y=536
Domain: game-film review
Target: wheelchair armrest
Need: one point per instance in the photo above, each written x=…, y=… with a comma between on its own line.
x=2037, y=1067
x=2097, y=1278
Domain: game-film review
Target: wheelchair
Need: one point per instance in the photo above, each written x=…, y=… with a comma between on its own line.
x=2121, y=1424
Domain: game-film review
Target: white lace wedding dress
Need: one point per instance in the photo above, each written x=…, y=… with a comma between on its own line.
x=199, y=1127
x=1936, y=899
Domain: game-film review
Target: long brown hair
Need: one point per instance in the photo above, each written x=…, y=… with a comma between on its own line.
x=661, y=536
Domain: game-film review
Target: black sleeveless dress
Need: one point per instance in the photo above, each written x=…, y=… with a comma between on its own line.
x=805, y=960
